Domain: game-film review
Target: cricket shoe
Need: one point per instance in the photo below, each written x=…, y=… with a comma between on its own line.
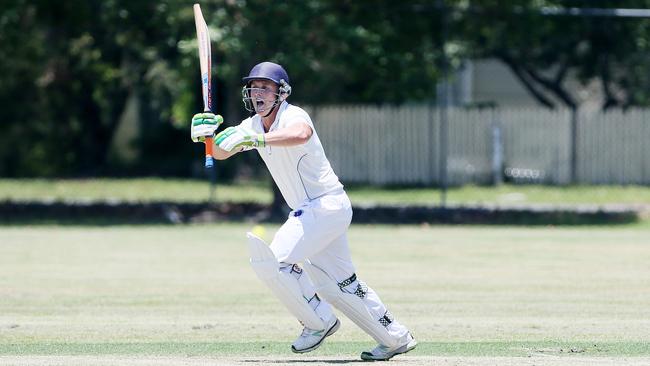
x=310, y=339
x=384, y=353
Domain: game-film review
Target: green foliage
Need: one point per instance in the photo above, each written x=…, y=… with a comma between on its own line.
x=341, y=51
x=70, y=68
x=544, y=51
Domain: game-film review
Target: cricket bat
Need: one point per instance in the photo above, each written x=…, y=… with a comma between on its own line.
x=205, y=59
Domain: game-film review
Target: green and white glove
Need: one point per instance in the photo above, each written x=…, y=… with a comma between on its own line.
x=204, y=125
x=235, y=137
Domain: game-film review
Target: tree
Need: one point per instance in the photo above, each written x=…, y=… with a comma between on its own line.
x=75, y=64
x=336, y=51
x=545, y=51
x=68, y=69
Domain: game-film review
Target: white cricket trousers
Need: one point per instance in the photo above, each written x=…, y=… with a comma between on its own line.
x=317, y=231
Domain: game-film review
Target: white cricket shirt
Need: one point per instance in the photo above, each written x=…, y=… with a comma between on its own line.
x=302, y=172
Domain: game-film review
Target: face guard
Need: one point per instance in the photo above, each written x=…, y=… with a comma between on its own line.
x=260, y=100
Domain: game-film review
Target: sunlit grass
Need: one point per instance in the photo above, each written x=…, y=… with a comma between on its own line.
x=131, y=190
x=507, y=195
x=191, y=190
x=189, y=291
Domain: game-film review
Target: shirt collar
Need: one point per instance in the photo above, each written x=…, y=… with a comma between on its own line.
x=257, y=120
x=275, y=123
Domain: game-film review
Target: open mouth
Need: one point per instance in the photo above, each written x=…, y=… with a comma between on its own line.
x=259, y=105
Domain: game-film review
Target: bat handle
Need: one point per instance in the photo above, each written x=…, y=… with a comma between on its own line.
x=209, y=161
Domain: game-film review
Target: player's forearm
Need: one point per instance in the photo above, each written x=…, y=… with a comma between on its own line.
x=297, y=134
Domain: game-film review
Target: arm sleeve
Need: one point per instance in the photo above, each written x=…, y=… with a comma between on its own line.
x=248, y=123
x=296, y=115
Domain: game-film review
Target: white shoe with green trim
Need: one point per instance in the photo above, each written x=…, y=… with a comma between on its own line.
x=384, y=353
x=310, y=339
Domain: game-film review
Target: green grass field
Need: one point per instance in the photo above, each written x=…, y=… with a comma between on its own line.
x=158, y=189
x=185, y=295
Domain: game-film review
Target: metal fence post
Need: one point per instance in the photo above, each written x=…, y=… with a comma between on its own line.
x=574, y=145
x=497, y=150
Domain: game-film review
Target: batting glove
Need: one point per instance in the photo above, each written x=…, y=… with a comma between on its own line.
x=236, y=137
x=204, y=125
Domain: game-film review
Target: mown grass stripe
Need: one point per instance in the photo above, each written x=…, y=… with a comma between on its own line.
x=487, y=349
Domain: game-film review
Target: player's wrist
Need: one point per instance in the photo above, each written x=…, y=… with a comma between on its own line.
x=260, y=140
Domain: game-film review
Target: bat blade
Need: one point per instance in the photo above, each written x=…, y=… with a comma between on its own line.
x=205, y=61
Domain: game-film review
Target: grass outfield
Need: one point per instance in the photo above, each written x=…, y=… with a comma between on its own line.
x=158, y=189
x=185, y=295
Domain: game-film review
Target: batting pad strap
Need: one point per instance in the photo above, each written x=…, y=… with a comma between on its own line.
x=352, y=286
x=386, y=319
x=351, y=305
x=282, y=284
x=348, y=281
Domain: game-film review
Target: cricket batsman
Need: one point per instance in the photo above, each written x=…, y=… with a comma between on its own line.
x=315, y=233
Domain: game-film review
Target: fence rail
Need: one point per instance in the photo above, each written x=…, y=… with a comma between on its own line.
x=400, y=145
